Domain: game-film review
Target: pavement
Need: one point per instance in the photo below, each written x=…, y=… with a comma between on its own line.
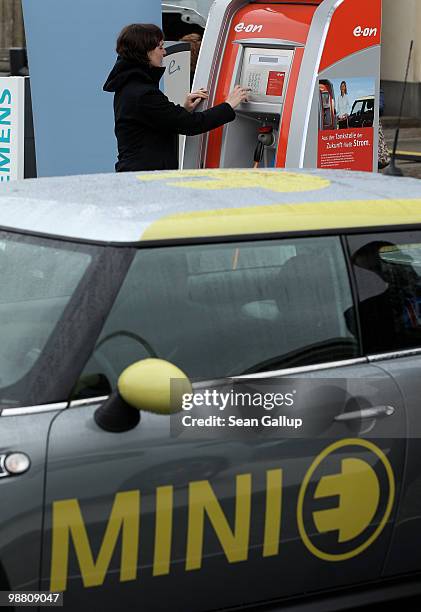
x=409, y=144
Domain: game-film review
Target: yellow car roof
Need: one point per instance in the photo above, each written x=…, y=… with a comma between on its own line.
x=146, y=206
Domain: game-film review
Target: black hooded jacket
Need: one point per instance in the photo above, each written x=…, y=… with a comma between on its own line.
x=147, y=123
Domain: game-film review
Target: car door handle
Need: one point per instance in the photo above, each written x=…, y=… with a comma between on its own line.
x=367, y=413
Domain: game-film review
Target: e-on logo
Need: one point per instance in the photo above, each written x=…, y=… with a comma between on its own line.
x=251, y=27
x=331, y=514
x=365, y=32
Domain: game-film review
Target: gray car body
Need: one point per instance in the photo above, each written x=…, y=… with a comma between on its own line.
x=73, y=459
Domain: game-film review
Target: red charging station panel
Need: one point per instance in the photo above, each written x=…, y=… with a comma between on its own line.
x=351, y=29
x=288, y=21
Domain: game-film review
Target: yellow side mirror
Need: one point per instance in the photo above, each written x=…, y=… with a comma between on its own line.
x=154, y=385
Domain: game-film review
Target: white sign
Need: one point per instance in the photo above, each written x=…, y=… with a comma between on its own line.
x=12, y=128
x=177, y=83
x=177, y=76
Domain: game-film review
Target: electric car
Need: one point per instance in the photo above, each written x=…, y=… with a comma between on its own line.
x=137, y=311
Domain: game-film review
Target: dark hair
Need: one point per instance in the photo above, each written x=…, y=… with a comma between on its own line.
x=343, y=83
x=136, y=40
x=195, y=41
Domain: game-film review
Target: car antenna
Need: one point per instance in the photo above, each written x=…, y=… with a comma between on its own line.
x=392, y=170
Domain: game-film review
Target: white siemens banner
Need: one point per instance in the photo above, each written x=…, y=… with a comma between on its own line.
x=12, y=128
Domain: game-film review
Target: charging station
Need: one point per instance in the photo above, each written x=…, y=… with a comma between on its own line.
x=313, y=69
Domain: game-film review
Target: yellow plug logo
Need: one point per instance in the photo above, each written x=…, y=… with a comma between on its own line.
x=350, y=506
x=349, y=519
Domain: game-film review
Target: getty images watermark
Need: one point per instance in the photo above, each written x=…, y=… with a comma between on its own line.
x=308, y=407
x=239, y=409
x=233, y=399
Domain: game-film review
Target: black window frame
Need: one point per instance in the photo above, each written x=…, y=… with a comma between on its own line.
x=377, y=233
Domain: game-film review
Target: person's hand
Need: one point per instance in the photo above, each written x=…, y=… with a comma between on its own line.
x=194, y=99
x=238, y=95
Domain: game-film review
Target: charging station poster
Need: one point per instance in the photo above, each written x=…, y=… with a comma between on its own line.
x=346, y=119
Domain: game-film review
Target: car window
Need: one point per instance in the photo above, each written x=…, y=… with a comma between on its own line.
x=388, y=273
x=220, y=310
x=45, y=272
x=38, y=278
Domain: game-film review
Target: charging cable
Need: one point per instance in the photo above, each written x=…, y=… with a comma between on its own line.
x=265, y=138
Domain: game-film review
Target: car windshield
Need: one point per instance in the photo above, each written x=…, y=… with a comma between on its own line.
x=38, y=279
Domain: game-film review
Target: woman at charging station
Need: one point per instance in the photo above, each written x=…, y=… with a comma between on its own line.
x=146, y=122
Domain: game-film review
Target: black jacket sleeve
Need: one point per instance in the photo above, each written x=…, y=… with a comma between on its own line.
x=156, y=110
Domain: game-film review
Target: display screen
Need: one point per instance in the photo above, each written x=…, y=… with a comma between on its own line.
x=269, y=59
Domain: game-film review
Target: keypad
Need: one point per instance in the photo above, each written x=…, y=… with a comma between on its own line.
x=254, y=81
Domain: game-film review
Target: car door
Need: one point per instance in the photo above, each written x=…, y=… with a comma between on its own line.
x=154, y=514
x=41, y=282
x=388, y=272
x=355, y=118
x=23, y=440
x=368, y=113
